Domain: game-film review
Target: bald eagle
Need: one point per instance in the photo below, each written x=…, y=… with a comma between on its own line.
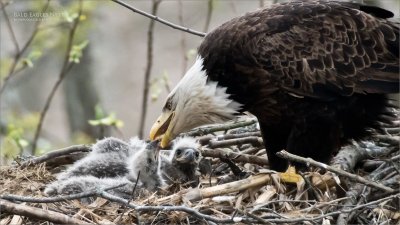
x=315, y=73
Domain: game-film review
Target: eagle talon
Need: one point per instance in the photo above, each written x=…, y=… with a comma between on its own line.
x=290, y=176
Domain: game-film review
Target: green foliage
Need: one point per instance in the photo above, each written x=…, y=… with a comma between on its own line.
x=70, y=17
x=191, y=53
x=5, y=64
x=16, y=134
x=81, y=138
x=32, y=56
x=103, y=119
x=51, y=36
x=157, y=85
x=9, y=148
x=17, y=130
x=76, y=51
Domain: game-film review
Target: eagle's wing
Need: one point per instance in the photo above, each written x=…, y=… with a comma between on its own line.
x=322, y=50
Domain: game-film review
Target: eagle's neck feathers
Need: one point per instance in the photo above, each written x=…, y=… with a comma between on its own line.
x=201, y=101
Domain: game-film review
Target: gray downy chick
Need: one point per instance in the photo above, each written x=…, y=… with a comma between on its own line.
x=146, y=161
x=182, y=164
x=75, y=185
x=107, y=159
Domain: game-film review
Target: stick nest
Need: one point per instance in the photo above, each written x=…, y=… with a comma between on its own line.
x=235, y=187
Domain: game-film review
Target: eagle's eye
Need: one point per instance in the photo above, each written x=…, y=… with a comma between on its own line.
x=178, y=152
x=168, y=105
x=197, y=154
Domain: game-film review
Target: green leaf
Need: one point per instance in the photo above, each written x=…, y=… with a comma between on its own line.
x=192, y=52
x=70, y=17
x=27, y=62
x=109, y=120
x=77, y=51
x=98, y=112
x=23, y=143
x=94, y=122
x=32, y=56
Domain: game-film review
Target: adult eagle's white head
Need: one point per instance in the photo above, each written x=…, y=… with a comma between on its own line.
x=192, y=103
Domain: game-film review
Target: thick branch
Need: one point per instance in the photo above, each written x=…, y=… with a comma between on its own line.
x=37, y=213
x=55, y=154
x=254, y=181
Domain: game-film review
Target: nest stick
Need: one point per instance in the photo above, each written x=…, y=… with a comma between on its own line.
x=257, y=141
x=37, y=213
x=254, y=181
x=61, y=198
x=354, y=177
x=55, y=154
x=221, y=127
x=235, y=157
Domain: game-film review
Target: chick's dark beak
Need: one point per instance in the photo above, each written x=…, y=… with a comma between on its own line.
x=189, y=155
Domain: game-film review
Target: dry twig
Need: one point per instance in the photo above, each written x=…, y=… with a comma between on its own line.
x=256, y=141
x=19, y=51
x=221, y=127
x=235, y=157
x=286, y=155
x=56, y=153
x=156, y=18
x=149, y=66
x=67, y=65
x=37, y=213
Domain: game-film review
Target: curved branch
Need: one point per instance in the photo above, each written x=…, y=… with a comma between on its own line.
x=158, y=19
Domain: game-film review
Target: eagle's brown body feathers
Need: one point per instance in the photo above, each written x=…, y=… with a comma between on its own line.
x=315, y=73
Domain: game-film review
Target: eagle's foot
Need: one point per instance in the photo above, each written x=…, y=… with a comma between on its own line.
x=290, y=176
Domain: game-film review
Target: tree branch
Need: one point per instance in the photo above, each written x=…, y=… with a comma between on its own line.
x=158, y=19
x=10, y=28
x=210, y=4
x=67, y=65
x=19, y=52
x=183, y=38
x=149, y=65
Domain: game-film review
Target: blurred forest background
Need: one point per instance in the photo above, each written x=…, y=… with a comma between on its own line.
x=74, y=71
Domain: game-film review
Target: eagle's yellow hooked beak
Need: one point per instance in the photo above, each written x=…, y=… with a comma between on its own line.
x=162, y=128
